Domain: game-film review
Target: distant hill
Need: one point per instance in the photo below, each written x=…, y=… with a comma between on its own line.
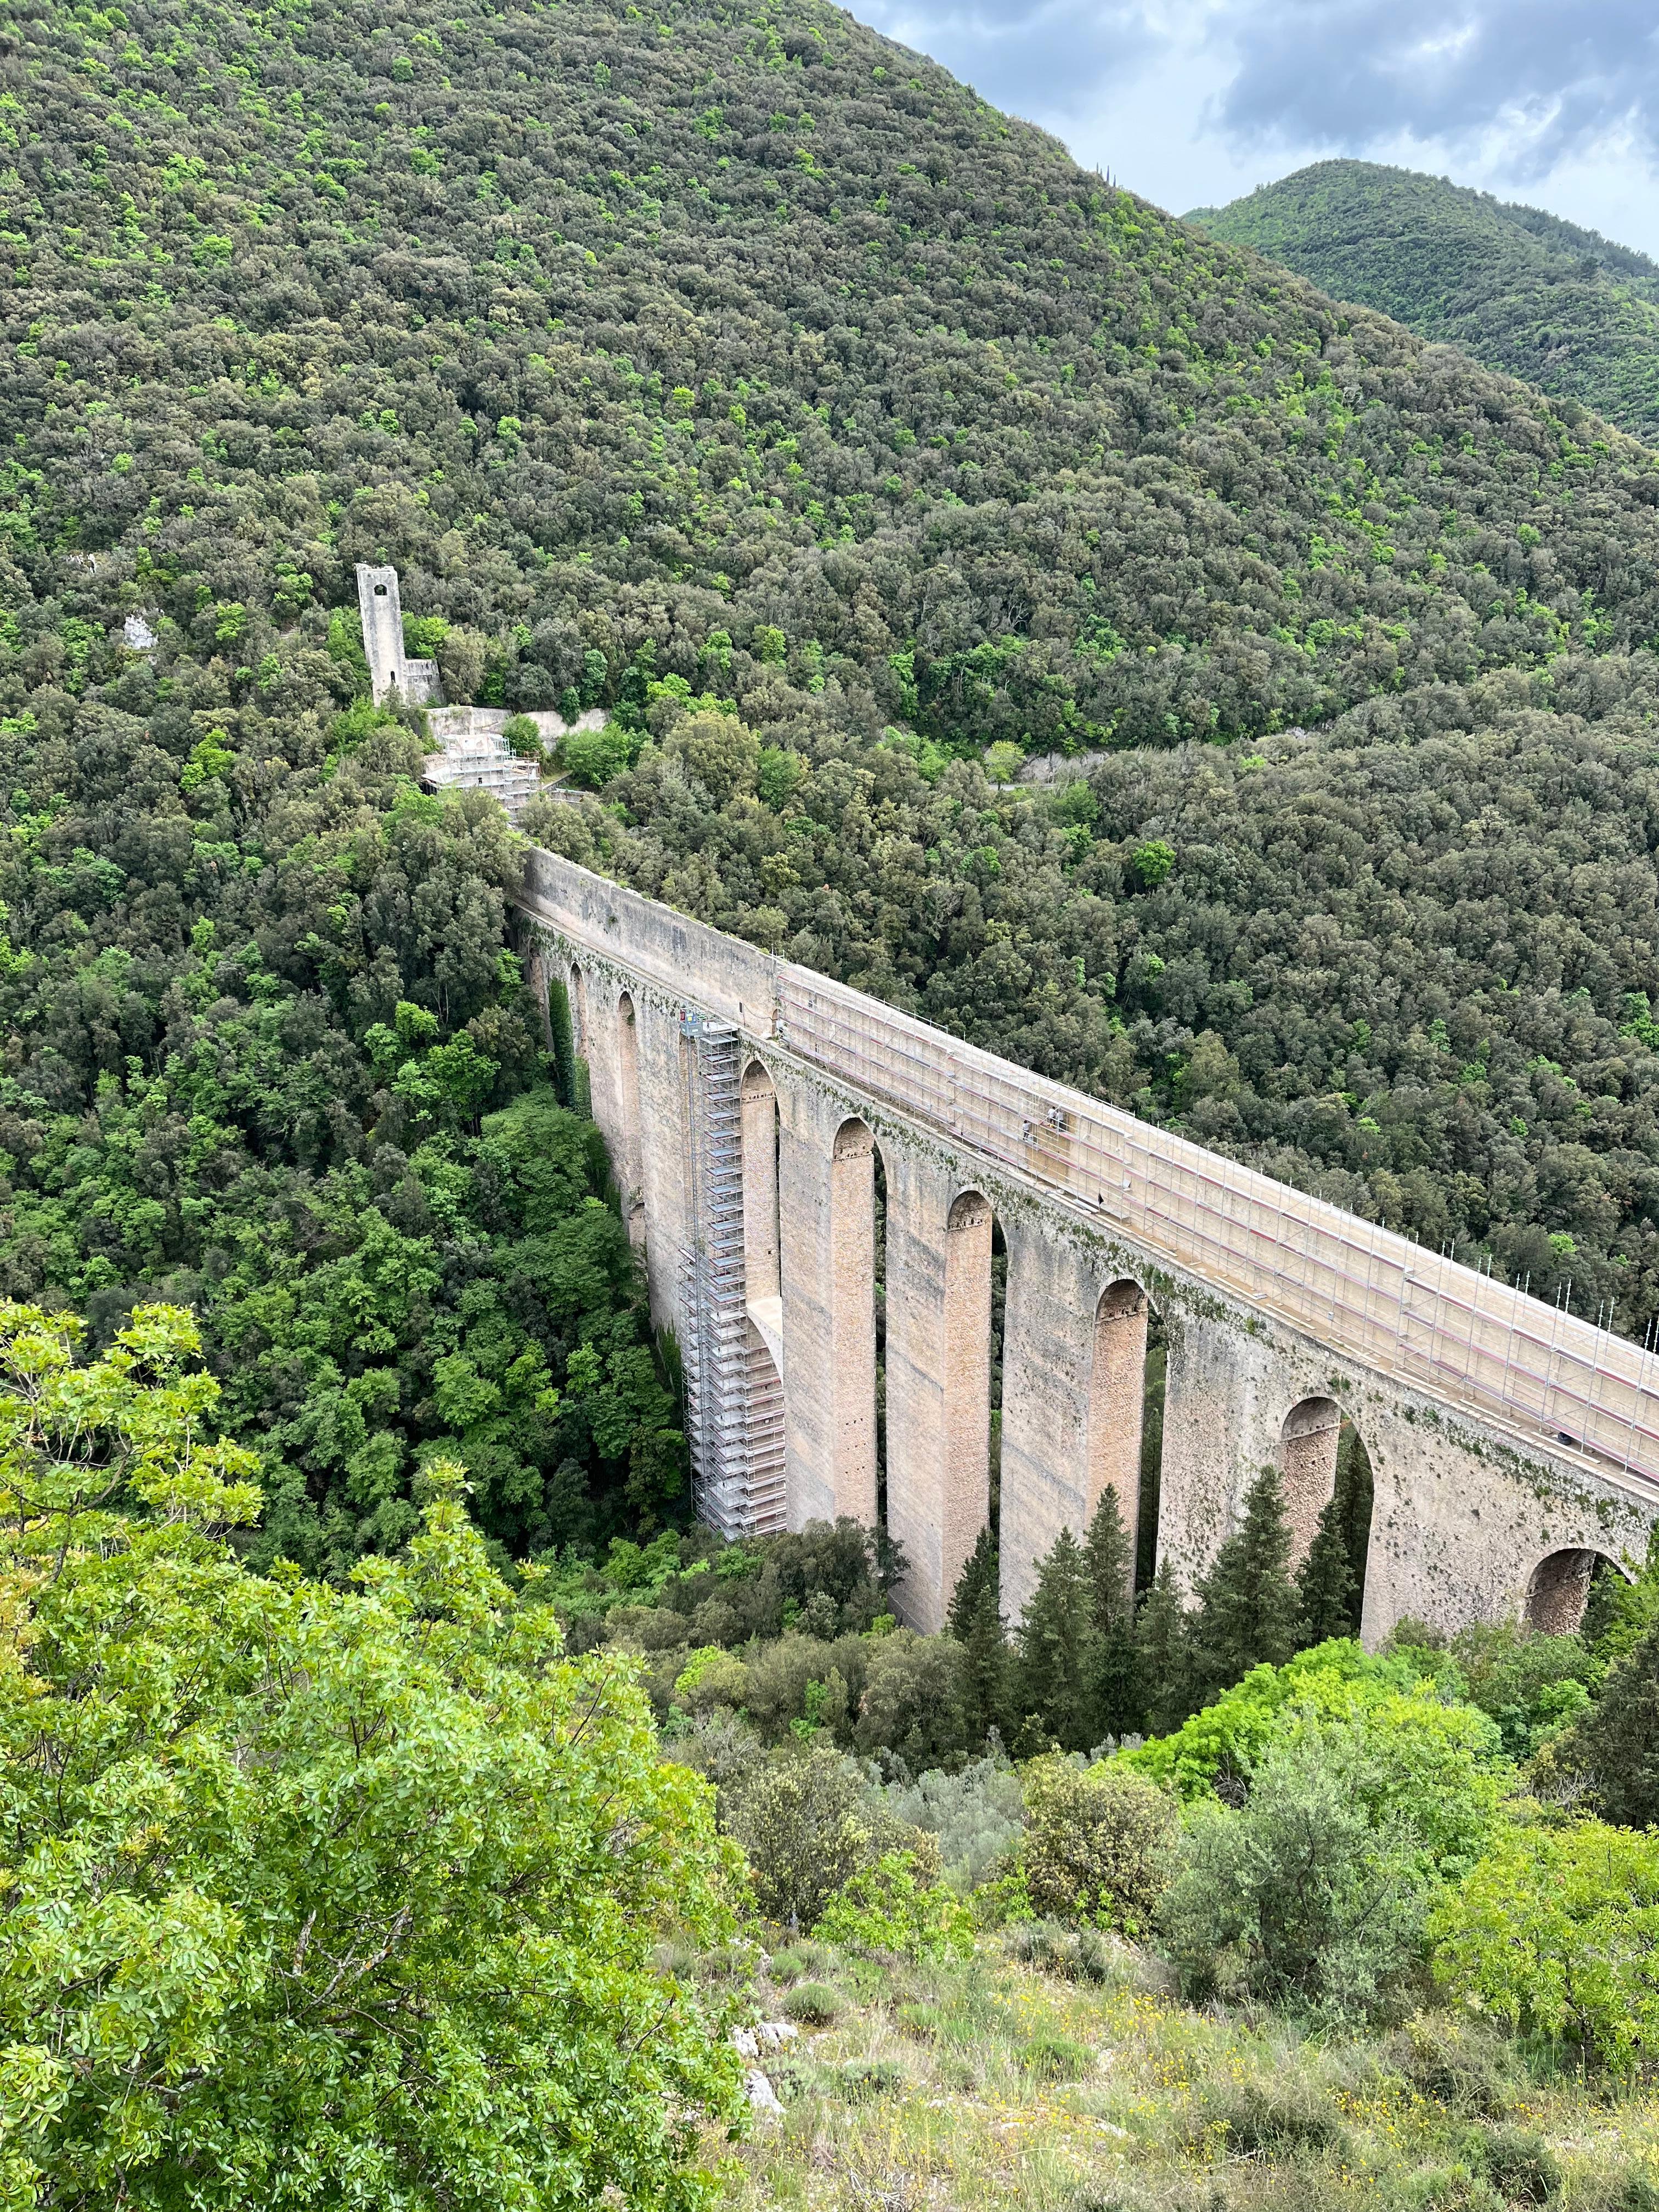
x=1520, y=289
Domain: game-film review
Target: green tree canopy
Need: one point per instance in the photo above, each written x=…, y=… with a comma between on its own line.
x=316, y=1896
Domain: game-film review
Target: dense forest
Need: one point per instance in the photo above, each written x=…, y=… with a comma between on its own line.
x=1518, y=288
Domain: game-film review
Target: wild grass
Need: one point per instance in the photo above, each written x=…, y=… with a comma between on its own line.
x=998, y=2082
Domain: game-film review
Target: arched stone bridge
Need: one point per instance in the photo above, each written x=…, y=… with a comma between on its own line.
x=807, y=1168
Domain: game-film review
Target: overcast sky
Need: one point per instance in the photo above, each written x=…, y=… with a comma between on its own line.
x=1191, y=102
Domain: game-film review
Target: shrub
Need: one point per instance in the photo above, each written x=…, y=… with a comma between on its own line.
x=976, y=1815
x=1097, y=1843
x=1077, y=1954
x=1056, y=2058
x=808, y=1823
x=522, y=737
x=812, y=2004
x=1305, y=1896
x=886, y=1908
x=862, y=2080
x=1331, y=1680
x=1461, y=2064
x=1517, y=2162
x=1266, y=2116
x=912, y=1705
x=1557, y=1931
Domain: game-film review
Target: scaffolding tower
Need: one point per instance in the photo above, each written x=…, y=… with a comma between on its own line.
x=733, y=1393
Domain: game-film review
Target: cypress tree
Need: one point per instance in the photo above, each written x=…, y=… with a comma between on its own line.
x=1111, y=1564
x=981, y=1572
x=1057, y=1641
x=1324, y=1581
x=1117, y=1673
x=986, y=1666
x=1247, y=1604
x=1163, y=1655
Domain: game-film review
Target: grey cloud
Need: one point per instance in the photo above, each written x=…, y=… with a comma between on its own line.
x=1554, y=78
x=1357, y=73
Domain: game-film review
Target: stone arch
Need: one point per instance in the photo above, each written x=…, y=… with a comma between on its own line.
x=965, y=1495
x=1117, y=1397
x=763, y=1263
x=1307, y=1465
x=852, y=1318
x=628, y=1109
x=1558, y=1589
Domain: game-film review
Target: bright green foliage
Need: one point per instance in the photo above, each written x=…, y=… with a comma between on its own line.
x=1054, y=1679
x=1557, y=1932
x=1248, y=1614
x=1313, y=1894
x=1521, y=290
x=1530, y=1684
x=1098, y=1843
x=317, y=1897
x=594, y=757
x=1227, y=1738
x=887, y=1908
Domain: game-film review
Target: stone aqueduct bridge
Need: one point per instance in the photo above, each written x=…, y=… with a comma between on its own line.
x=747, y=1102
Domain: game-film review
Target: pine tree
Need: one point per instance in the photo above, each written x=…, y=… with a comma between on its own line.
x=986, y=1666
x=1057, y=1641
x=1163, y=1655
x=1116, y=1672
x=981, y=1572
x=1324, y=1581
x=1247, y=1604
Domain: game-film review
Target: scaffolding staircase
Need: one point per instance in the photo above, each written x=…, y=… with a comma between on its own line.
x=733, y=1393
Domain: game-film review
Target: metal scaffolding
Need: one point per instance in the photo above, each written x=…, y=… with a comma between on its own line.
x=733, y=1394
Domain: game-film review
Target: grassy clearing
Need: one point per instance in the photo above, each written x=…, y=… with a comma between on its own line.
x=1000, y=2081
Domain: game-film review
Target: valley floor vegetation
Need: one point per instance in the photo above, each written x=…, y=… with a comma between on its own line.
x=445, y=1885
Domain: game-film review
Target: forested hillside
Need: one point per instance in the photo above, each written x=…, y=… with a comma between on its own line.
x=745, y=376
x=1516, y=287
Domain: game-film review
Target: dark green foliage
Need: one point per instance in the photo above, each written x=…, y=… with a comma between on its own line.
x=797, y=378
x=1118, y=1700
x=1615, y=1746
x=1246, y=1609
x=1517, y=288
x=1053, y=1682
x=1110, y=1560
x=1325, y=1587
x=1163, y=1654
x=980, y=1573
x=988, y=1668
